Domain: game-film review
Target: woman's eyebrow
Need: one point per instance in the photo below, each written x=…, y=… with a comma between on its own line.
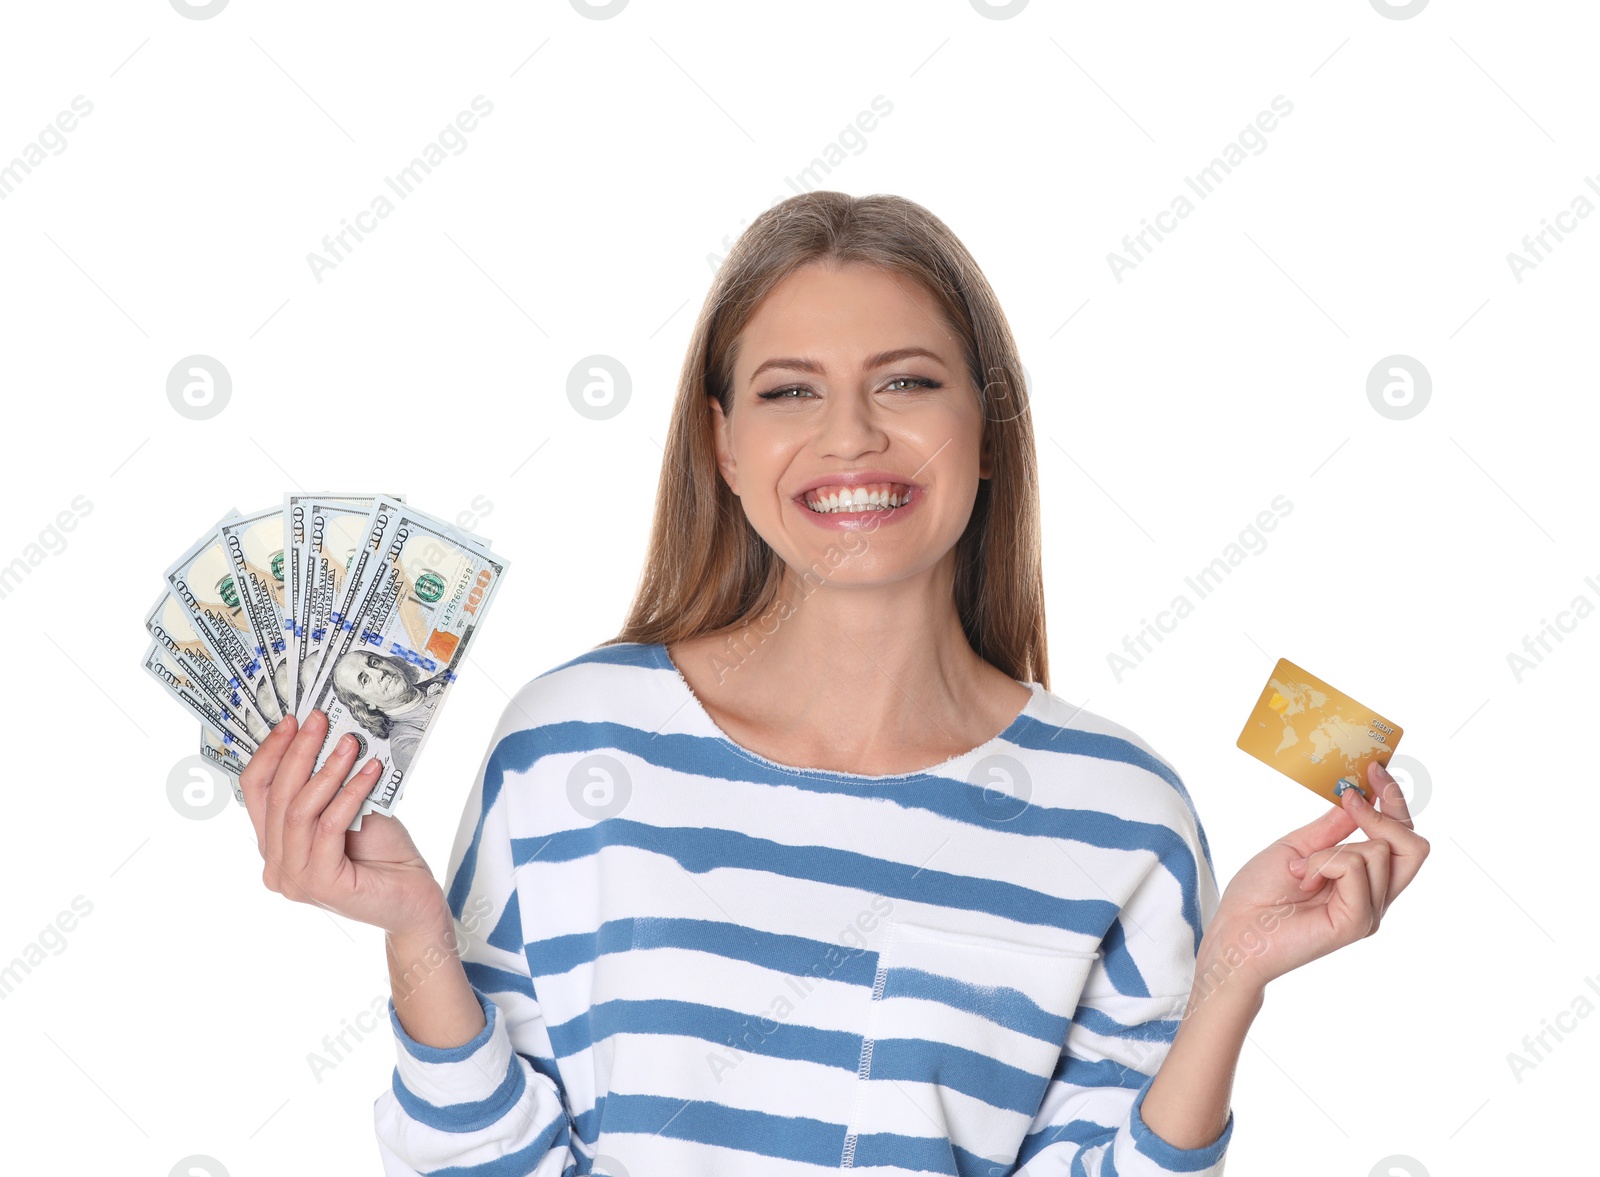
x=802, y=364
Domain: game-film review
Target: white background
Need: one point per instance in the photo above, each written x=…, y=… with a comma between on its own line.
x=1171, y=407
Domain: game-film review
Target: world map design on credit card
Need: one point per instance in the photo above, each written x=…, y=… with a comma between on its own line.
x=1315, y=734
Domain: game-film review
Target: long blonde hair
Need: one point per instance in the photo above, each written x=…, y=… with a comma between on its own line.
x=708, y=569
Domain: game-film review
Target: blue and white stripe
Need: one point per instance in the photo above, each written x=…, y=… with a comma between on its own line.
x=752, y=969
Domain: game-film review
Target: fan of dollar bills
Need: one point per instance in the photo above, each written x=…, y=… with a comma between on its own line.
x=355, y=605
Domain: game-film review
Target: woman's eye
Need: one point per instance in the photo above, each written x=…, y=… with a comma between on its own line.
x=784, y=393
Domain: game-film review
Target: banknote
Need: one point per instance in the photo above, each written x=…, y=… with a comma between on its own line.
x=321, y=532
x=202, y=579
x=168, y=623
x=335, y=529
x=355, y=604
x=227, y=754
x=419, y=589
x=158, y=662
x=294, y=540
x=256, y=555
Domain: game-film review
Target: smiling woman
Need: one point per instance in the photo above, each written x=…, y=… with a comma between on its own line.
x=815, y=428
x=828, y=708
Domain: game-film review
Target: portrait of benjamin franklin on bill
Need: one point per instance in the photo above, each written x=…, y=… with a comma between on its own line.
x=389, y=698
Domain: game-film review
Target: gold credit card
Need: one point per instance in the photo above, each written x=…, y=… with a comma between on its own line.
x=1315, y=734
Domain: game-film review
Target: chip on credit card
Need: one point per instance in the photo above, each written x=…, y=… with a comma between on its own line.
x=1315, y=734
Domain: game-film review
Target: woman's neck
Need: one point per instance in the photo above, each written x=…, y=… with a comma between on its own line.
x=855, y=674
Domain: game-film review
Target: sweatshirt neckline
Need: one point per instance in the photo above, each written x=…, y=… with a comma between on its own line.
x=708, y=727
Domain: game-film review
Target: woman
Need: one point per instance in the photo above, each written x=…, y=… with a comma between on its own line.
x=807, y=868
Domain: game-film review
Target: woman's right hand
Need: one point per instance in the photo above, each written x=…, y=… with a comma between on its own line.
x=373, y=874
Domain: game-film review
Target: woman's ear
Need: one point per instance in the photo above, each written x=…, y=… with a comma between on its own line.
x=720, y=431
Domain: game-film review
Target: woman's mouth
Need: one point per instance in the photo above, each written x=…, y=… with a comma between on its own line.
x=868, y=506
x=873, y=496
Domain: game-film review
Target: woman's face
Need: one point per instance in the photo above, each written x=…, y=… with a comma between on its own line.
x=852, y=369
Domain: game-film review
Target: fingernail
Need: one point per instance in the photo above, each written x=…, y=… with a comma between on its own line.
x=1297, y=863
x=1357, y=798
x=347, y=742
x=371, y=767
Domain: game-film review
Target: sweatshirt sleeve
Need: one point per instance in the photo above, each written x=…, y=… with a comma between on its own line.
x=1090, y=1122
x=494, y=1106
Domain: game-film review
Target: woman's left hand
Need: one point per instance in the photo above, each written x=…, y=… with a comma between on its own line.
x=1310, y=893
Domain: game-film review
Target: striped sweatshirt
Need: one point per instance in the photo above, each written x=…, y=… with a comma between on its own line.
x=695, y=960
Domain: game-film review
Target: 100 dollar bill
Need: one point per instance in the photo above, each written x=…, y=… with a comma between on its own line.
x=202, y=579
x=257, y=557
x=418, y=589
x=227, y=754
x=183, y=688
x=322, y=532
x=168, y=622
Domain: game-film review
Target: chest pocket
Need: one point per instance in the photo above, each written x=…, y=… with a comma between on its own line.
x=963, y=1033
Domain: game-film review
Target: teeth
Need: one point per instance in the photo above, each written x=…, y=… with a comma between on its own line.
x=846, y=501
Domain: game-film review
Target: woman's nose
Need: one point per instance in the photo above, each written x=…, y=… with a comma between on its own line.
x=848, y=425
